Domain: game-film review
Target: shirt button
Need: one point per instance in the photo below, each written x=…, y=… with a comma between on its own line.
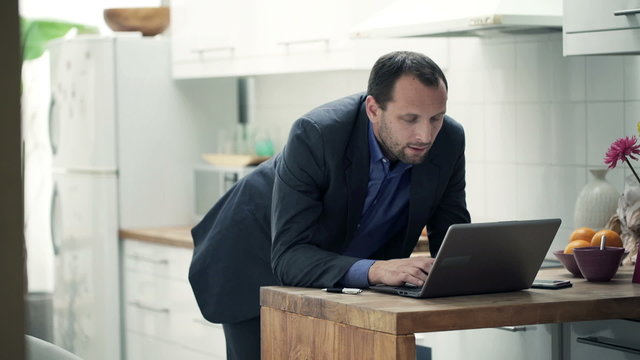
x=358, y=225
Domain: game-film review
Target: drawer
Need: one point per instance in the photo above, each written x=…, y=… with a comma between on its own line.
x=199, y=334
x=160, y=260
x=142, y=347
x=166, y=309
x=598, y=15
x=604, y=339
x=147, y=303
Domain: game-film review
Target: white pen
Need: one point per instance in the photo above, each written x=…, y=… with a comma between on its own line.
x=351, y=291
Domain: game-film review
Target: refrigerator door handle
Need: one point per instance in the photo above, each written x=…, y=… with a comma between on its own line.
x=53, y=126
x=55, y=219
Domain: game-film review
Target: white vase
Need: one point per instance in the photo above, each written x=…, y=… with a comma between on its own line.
x=596, y=203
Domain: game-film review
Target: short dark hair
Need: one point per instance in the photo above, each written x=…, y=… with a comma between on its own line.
x=388, y=68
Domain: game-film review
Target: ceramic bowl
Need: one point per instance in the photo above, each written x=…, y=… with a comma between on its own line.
x=569, y=262
x=596, y=264
x=149, y=21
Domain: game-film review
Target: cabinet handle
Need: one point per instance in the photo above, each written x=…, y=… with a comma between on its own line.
x=307, y=41
x=201, y=51
x=142, y=306
x=607, y=343
x=626, y=12
x=54, y=124
x=149, y=260
x=513, y=328
x=229, y=180
x=205, y=323
x=55, y=220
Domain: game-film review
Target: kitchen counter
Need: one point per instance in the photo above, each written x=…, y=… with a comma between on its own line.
x=391, y=320
x=179, y=236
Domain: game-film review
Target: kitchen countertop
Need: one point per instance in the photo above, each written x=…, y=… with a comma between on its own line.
x=179, y=236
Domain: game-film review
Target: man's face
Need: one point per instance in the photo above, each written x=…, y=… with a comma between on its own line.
x=413, y=118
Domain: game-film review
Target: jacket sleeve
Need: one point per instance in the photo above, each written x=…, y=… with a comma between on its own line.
x=297, y=254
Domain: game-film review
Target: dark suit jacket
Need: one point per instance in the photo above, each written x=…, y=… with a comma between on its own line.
x=289, y=220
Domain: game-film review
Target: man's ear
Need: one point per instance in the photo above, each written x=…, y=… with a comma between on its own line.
x=373, y=109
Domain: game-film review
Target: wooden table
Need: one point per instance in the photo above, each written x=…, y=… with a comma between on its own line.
x=303, y=323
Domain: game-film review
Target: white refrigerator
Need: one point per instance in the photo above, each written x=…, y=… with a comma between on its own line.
x=124, y=138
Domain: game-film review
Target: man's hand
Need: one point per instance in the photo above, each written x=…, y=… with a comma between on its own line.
x=397, y=272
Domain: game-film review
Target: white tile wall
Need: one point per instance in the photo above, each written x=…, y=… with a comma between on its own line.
x=567, y=134
x=605, y=123
x=632, y=77
x=605, y=78
x=536, y=122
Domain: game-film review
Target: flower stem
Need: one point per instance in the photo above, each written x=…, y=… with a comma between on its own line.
x=631, y=167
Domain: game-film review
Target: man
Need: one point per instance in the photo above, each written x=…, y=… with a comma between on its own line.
x=342, y=205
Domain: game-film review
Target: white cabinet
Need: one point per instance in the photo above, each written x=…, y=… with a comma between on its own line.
x=540, y=342
x=212, y=30
x=596, y=27
x=215, y=38
x=605, y=339
x=161, y=314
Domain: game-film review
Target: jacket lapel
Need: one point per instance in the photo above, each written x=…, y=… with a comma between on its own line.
x=357, y=172
x=424, y=180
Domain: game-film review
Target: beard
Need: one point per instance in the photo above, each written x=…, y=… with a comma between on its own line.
x=396, y=150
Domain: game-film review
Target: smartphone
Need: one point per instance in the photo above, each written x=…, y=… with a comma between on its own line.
x=551, y=284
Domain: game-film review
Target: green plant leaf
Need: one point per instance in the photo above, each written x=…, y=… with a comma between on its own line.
x=37, y=33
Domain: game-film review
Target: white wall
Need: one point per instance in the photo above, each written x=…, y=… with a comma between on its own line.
x=535, y=121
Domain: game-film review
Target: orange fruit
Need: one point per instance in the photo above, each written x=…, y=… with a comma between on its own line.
x=583, y=233
x=612, y=238
x=575, y=244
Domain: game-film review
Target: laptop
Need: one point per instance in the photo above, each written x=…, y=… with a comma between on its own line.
x=483, y=258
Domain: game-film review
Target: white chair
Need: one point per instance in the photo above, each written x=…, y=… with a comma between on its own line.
x=41, y=350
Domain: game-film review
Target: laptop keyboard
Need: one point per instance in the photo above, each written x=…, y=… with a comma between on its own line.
x=408, y=287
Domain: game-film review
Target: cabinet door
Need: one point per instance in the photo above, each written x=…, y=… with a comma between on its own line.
x=210, y=30
x=160, y=304
x=592, y=27
x=540, y=342
x=595, y=15
x=251, y=37
x=304, y=36
x=293, y=26
x=605, y=339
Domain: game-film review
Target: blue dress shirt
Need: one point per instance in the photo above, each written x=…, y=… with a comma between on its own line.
x=384, y=213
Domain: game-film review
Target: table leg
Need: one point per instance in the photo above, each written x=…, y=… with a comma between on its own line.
x=291, y=336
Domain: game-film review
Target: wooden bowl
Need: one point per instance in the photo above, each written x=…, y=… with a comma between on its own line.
x=149, y=21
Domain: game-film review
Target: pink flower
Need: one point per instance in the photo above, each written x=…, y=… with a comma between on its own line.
x=623, y=149
x=620, y=150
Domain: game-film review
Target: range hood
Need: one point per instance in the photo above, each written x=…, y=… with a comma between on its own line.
x=409, y=18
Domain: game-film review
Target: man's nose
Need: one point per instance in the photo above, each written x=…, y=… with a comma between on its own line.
x=423, y=131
